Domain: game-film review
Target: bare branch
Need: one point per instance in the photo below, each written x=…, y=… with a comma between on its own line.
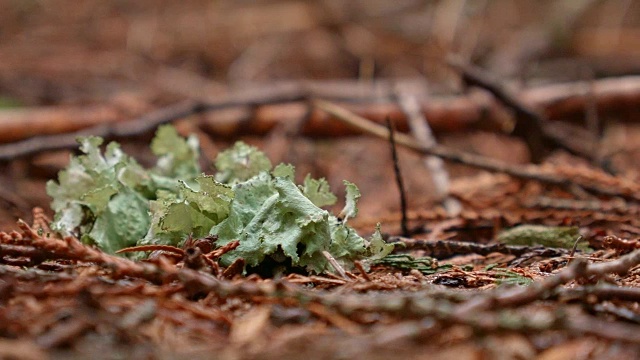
x=283, y=102
x=530, y=172
x=399, y=181
x=422, y=132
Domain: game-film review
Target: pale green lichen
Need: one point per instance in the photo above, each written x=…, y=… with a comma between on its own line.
x=99, y=197
x=549, y=236
x=353, y=195
x=240, y=163
x=318, y=191
x=111, y=201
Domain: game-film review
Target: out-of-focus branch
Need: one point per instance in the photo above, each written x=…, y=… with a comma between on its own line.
x=528, y=124
x=421, y=130
x=264, y=106
x=558, y=177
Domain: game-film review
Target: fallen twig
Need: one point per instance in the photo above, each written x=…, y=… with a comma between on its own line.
x=529, y=122
x=35, y=255
x=145, y=123
x=618, y=311
x=601, y=291
x=281, y=102
x=336, y=266
x=619, y=266
x=448, y=248
x=530, y=172
x=422, y=132
x=399, y=181
x=606, y=330
x=617, y=205
x=33, y=274
x=358, y=265
x=72, y=249
x=539, y=290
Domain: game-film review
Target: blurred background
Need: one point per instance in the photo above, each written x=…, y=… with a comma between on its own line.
x=68, y=51
x=141, y=55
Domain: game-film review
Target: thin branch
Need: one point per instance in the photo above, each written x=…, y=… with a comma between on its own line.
x=72, y=249
x=336, y=265
x=616, y=205
x=139, y=126
x=35, y=255
x=399, y=180
x=529, y=172
x=619, y=266
x=358, y=265
x=575, y=246
x=33, y=274
x=422, y=132
x=283, y=102
x=145, y=123
x=448, y=248
x=525, y=295
x=167, y=248
x=592, y=325
x=578, y=269
x=107, y=127
x=222, y=250
x=619, y=311
x=529, y=122
x=601, y=291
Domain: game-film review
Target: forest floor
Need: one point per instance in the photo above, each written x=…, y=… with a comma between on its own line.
x=544, y=133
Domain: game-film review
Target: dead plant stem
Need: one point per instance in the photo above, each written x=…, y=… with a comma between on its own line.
x=529, y=172
x=399, y=181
